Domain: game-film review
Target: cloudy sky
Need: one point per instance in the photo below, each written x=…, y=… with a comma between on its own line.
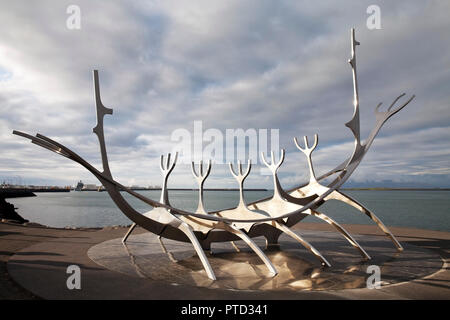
x=231, y=64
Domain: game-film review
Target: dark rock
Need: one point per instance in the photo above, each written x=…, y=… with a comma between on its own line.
x=8, y=212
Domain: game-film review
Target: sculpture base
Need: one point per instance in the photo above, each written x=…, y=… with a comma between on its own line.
x=144, y=257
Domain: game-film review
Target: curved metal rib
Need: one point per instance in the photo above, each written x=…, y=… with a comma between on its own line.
x=305, y=243
x=337, y=195
x=341, y=230
x=130, y=230
x=164, y=249
x=198, y=248
x=255, y=248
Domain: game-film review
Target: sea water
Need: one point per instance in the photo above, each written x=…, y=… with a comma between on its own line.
x=418, y=209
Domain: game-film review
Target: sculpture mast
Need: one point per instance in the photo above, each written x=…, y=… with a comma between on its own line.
x=353, y=124
x=98, y=129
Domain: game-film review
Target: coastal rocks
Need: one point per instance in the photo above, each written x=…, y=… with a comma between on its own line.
x=8, y=212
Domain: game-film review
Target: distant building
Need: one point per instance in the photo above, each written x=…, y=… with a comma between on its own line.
x=89, y=187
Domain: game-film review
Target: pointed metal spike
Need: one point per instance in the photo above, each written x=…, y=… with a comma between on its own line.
x=176, y=158
x=168, y=161
x=305, y=138
x=161, y=165
x=193, y=169
x=232, y=170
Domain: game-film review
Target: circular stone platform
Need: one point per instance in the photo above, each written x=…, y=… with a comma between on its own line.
x=298, y=269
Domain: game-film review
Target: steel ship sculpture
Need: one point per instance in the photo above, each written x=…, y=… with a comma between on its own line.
x=268, y=217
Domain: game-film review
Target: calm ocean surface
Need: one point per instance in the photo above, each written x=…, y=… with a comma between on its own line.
x=419, y=209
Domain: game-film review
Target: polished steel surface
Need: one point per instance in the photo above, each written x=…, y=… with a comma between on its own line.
x=269, y=218
x=297, y=270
